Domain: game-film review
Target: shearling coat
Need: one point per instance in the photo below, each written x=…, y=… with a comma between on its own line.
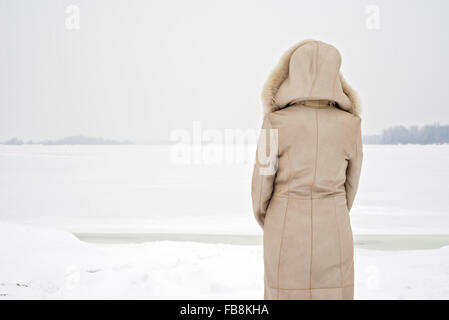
x=306, y=175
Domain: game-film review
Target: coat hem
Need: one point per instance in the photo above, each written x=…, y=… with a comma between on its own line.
x=340, y=287
x=330, y=293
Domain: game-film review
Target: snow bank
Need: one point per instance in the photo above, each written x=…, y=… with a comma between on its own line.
x=44, y=263
x=40, y=262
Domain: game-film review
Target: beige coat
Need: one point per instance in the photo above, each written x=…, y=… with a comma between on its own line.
x=306, y=176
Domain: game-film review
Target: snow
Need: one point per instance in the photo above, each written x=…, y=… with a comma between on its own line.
x=38, y=262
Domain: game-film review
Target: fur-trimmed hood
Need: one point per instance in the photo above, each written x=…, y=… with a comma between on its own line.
x=310, y=70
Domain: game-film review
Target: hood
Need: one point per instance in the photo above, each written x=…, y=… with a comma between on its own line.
x=310, y=70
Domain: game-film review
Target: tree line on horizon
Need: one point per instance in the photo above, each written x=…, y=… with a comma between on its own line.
x=428, y=134
x=68, y=140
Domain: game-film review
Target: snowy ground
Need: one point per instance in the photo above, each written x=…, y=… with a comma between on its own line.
x=38, y=262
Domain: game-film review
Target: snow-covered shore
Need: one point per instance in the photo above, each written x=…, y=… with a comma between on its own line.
x=37, y=262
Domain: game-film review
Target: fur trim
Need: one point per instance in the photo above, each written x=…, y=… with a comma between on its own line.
x=356, y=105
x=280, y=73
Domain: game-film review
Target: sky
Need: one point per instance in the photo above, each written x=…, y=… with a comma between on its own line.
x=140, y=69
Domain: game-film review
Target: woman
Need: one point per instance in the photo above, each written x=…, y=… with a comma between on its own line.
x=306, y=176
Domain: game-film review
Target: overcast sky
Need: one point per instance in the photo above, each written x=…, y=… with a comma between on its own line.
x=139, y=69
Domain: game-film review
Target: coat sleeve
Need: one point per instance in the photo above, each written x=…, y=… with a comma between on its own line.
x=354, y=167
x=264, y=171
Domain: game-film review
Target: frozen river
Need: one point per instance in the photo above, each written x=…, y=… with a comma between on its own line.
x=147, y=189
x=365, y=241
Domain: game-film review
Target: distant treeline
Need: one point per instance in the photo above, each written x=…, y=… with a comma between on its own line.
x=429, y=134
x=68, y=140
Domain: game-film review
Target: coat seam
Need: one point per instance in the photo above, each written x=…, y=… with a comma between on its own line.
x=283, y=224
x=280, y=245
x=308, y=198
x=339, y=240
x=316, y=68
x=311, y=202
